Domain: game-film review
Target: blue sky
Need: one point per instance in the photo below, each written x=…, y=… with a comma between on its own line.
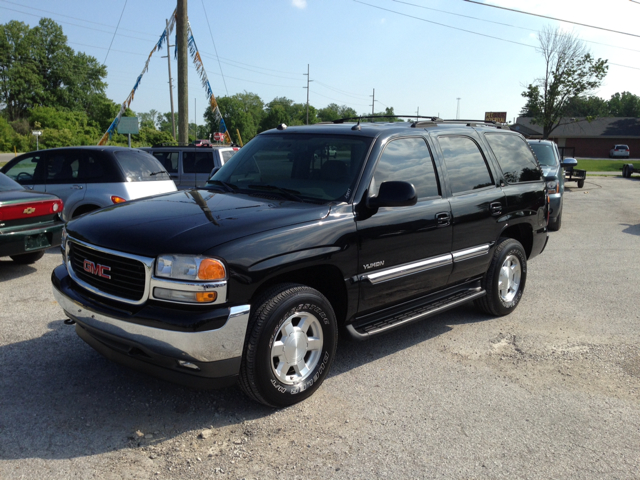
x=352, y=47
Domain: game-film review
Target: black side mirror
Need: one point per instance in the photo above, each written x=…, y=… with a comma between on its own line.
x=394, y=194
x=569, y=163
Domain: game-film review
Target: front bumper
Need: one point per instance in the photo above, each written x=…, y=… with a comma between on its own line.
x=555, y=205
x=203, y=359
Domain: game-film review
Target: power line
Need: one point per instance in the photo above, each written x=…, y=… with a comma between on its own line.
x=552, y=18
x=73, y=18
x=472, y=32
x=444, y=25
x=115, y=32
x=506, y=24
x=214, y=47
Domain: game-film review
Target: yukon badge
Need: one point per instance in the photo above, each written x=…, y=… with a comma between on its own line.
x=98, y=270
x=369, y=266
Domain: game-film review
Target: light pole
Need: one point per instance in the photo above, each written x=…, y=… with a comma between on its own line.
x=458, y=109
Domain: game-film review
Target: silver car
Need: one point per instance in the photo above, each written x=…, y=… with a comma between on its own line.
x=190, y=166
x=88, y=178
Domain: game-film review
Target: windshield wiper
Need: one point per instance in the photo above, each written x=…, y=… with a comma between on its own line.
x=158, y=173
x=286, y=192
x=229, y=187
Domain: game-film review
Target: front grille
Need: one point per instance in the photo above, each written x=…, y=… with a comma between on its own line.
x=127, y=275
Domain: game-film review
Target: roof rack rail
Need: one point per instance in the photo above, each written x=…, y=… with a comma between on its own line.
x=359, y=118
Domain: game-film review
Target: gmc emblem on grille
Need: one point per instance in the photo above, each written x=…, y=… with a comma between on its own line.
x=99, y=270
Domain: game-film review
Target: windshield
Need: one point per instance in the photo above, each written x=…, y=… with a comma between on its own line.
x=303, y=167
x=139, y=166
x=7, y=185
x=545, y=153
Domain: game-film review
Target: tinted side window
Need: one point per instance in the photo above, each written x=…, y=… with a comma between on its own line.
x=466, y=166
x=28, y=171
x=169, y=160
x=515, y=157
x=197, y=162
x=63, y=166
x=407, y=160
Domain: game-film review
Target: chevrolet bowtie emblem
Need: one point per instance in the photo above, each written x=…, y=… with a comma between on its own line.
x=29, y=211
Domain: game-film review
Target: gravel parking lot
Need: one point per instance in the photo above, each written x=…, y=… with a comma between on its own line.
x=551, y=391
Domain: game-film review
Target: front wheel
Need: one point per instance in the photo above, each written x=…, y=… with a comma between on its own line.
x=290, y=346
x=505, y=279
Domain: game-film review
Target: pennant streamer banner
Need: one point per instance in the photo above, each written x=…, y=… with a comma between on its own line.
x=158, y=46
x=197, y=60
x=202, y=73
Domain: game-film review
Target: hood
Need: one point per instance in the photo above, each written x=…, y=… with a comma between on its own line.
x=189, y=221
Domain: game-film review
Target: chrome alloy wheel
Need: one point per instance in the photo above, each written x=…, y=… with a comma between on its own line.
x=509, y=279
x=297, y=347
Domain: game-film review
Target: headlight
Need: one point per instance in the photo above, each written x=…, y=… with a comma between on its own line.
x=188, y=267
x=552, y=186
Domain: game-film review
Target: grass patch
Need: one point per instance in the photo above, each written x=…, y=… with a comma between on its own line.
x=602, y=165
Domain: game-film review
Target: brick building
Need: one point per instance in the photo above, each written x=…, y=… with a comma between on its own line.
x=581, y=138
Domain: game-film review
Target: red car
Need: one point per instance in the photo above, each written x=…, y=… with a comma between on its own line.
x=30, y=222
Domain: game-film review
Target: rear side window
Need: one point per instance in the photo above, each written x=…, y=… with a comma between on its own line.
x=515, y=158
x=466, y=167
x=139, y=166
x=407, y=160
x=197, y=162
x=227, y=154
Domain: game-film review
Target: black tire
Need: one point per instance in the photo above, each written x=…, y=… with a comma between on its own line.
x=554, y=225
x=624, y=171
x=262, y=374
x=509, y=264
x=580, y=183
x=27, y=258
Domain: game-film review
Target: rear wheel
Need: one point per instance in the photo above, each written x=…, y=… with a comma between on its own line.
x=505, y=279
x=290, y=346
x=27, y=258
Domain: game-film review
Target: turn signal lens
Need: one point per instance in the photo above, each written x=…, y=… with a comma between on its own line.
x=211, y=269
x=116, y=199
x=206, y=297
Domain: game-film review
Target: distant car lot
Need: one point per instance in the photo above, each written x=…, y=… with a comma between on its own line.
x=551, y=390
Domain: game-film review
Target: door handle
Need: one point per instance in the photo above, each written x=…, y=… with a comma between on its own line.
x=496, y=208
x=77, y=187
x=443, y=219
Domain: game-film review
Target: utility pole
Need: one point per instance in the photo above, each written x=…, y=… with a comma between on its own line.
x=182, y=32
x=307, y=87
x=173, y=117
x=458, y=109
x=373, y=103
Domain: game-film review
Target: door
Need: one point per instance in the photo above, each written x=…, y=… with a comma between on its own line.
x=404, y=252
x=62, y=177
x=477, y=205
x=29, y=171
x=196, y=167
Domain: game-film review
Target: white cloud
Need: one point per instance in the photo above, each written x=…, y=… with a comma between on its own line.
x=299, y=3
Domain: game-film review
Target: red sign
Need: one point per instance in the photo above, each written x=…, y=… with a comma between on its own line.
x=498, y=117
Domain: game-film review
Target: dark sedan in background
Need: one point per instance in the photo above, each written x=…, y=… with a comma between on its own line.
x=30, y=222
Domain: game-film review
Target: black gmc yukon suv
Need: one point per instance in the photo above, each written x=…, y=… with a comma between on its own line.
x=364, y=226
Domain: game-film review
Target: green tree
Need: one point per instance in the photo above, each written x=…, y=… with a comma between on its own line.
x=570, y=71
x=38, y=68
x=388, y=113
x=624, y=104
x=241, y=112
x=333, y=111
x=588, y=106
